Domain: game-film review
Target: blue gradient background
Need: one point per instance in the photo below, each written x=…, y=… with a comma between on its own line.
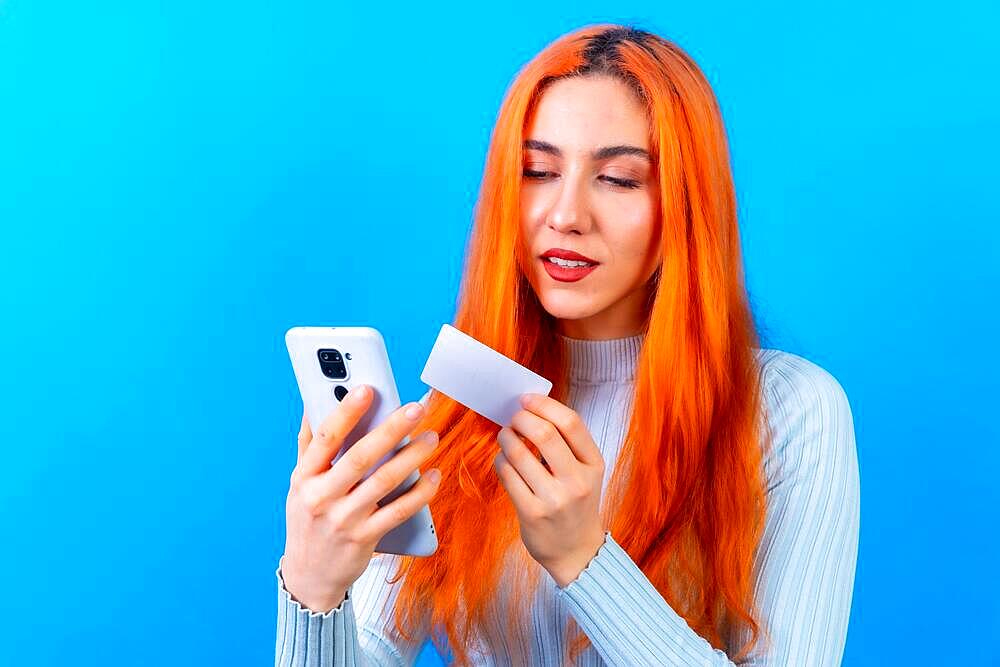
x=181, y=182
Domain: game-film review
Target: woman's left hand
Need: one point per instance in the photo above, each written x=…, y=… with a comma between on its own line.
x=559, y=511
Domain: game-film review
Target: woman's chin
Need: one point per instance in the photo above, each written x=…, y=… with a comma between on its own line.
x=563, y=308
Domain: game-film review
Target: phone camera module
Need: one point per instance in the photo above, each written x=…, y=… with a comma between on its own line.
x=332, y=364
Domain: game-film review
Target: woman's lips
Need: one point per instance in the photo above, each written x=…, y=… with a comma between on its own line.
x=566, y=274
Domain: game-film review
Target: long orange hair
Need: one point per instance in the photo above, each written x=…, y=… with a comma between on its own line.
x=688, y=503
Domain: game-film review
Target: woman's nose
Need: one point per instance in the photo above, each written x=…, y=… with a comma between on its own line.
x=569, y=213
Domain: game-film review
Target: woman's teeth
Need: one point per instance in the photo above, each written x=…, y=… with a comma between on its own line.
x=567, y=262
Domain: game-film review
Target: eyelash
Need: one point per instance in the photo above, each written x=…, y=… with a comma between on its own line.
x=620, y=182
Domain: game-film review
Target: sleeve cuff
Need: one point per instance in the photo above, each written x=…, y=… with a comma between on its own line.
x=297, y=606
x=587, y=574
x=305, y=636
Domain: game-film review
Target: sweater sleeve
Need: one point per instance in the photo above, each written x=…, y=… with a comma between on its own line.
x=805, y=564
x=359, y=633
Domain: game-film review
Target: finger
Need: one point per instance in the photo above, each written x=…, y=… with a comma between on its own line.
x=369, y=450
x=569, y=424
x=399, y=510
x=524, y=500
x=305, y=435
x=390, y=474
x=330, y=435
x=528, y=468
x=548, y=439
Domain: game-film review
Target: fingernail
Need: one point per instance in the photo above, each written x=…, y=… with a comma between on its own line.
x=360, y=392
x=413, y=410
x=525, y=400
x=434, y=475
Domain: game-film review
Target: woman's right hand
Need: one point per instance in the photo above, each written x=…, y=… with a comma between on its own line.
x=334, y=523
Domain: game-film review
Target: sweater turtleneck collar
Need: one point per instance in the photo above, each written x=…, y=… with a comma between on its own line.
x=611, y=360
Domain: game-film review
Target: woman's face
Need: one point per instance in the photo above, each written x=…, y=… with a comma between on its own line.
x=589, y=187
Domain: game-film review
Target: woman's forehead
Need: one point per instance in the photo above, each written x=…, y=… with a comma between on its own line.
x=581, y=114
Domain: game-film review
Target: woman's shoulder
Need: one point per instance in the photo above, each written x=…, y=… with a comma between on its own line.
x=808, y=411
x=788, y=377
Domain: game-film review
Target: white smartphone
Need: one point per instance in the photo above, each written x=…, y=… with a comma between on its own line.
x=328, y=362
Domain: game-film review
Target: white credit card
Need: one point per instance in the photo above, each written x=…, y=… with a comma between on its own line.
x=479, y=377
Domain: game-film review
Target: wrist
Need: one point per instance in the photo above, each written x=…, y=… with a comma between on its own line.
x=567, y=571
x=319, y=602
x=313, y=598
x=319, y=605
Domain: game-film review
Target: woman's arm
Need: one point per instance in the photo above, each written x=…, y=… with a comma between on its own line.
x=806, y=561
x=358, y=633
x=311, y=639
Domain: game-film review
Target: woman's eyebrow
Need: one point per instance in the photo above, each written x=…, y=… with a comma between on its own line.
x=600, y=154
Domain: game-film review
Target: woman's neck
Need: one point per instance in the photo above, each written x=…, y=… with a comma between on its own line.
x=605, y=360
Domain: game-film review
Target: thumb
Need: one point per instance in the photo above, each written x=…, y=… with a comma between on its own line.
x=305, y=435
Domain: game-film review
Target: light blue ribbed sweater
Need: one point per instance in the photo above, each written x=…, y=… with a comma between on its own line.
x=804, y=567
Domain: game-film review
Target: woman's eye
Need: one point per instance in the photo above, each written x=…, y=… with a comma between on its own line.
x=620, y=182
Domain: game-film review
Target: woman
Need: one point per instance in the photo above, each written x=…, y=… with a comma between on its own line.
x=683, y=496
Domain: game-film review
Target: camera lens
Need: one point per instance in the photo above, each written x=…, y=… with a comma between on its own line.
x=329, y=354
x=332, y=364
